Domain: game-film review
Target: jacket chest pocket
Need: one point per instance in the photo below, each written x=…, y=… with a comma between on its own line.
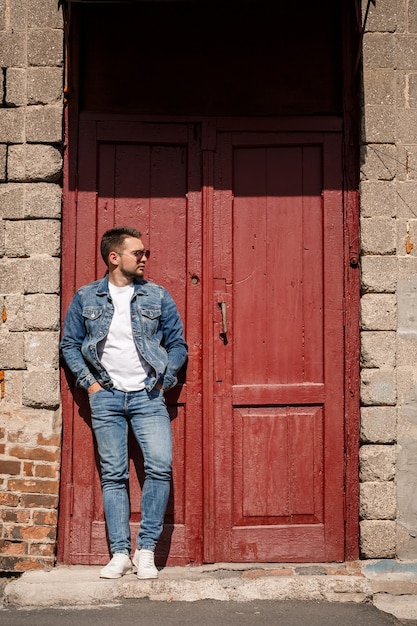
x=150, y=319
x=93, y=316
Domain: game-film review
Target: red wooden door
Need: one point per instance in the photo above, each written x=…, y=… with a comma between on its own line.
x=276, y=442
x=245, y=230
x=146, y=176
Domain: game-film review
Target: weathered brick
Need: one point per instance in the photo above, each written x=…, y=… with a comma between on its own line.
x=30, y=200
x=12, y=547
x=42, y=237
x=17, y=516
x=378, y=50
x=34, y=533
x=44, y=14
x=43, y=200
x=2, y=14
x=14, y=241
x=42, y=275
x=3, y=162
x=45, y=518
x=412, y=17
x=18, y=16
x=44, y=85
x=378, y=387
x=28, y=469
x=41, y=389
x=377, y=463
x=45, y=47
x=406, y=237
x=47, y=471
x=13, y=309
x=378, y=349
x=50, y=440
x=29, y=485
x=42, y=549
x=407, y=305
x=12, y=125
x=20, y=564
x=411, y=94
x=381, y=18
x=378, y=124
x=12, y=49
x=406, y=52
x=13, y=384
x=379, y=162
x=406, y=389
x=377, y=539
x=406, y=133
x=379, y=86
x=406, y=350
x=9, y=467
x=41, y=349
x=379, y=274
x=12, y=350
x=42, y=312
x=407, y=156
x=377, y=500
x=16, y=88
x=33, y=500
x=378, y=235
x=35, y=454
x=11, y=201
x=378, y=311
x=44, y=124
x=30, y=163
x=9, y=499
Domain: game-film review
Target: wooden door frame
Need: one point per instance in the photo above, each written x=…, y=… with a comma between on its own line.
x=350, y=122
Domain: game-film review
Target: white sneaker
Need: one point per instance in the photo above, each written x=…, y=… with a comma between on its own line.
x=144, y=561
x=119, y=565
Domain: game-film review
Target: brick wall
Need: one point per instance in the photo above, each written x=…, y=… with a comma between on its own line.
x=31, y=112
x=388, y=192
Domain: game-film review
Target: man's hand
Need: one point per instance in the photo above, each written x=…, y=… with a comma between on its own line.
x=94, y=388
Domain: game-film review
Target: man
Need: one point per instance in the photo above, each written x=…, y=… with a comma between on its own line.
x=123, y=340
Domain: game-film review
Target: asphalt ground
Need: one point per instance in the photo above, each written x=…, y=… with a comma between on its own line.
x=206, y=613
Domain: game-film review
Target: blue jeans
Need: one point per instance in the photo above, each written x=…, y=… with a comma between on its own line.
x=112, y=412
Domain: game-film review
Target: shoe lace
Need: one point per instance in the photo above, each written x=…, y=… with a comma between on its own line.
x=147, y=559
x=118, y=558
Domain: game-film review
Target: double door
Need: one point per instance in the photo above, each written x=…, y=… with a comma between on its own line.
x=245, y=226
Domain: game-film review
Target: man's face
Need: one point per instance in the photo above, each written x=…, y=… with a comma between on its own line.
x=131, y=258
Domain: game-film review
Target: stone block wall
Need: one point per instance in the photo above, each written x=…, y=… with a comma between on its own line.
x=388, y=205
x=31, y=142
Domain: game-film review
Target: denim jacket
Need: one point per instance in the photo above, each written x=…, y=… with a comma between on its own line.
x=156, y=327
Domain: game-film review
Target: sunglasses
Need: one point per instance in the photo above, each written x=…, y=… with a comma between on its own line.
x=139, y=254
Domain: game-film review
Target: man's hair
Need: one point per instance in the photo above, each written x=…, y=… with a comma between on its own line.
x=114, y=238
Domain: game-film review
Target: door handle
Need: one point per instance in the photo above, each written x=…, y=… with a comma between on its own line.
x=222, y=306
x=223, y=310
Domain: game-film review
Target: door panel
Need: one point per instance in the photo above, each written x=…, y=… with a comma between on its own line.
x=278, y=400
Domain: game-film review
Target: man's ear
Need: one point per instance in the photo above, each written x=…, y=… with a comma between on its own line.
x=113, y=258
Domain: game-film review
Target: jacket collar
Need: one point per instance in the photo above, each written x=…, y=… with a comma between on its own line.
x=103, y=286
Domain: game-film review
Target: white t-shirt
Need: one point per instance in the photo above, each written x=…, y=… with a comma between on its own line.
x=118, y=352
